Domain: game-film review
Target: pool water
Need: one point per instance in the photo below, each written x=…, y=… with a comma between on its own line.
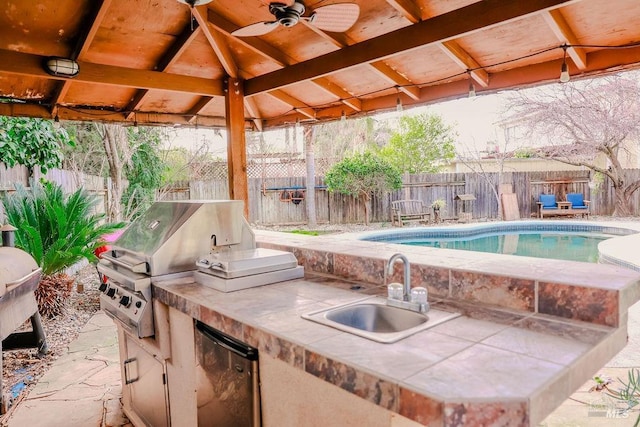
x=564, y=240
x=566, y=245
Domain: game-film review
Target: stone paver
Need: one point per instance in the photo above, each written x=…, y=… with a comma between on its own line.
x=82, y=388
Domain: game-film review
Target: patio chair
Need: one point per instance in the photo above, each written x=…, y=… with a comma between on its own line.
x=547, y=204
x=578, y=204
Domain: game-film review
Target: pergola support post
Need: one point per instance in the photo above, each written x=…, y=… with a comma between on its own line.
x=236, y=142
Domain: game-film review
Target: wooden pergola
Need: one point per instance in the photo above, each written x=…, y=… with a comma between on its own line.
x=181, y=62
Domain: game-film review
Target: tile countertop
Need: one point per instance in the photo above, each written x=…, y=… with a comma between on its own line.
x=491, y=365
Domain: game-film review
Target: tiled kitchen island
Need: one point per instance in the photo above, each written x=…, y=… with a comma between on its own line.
x=531, y=333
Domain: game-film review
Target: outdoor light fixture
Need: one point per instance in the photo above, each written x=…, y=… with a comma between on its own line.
x=472, y=88
x=343, y=117
x=398, y=102
x=61, y=67
x=564, y=70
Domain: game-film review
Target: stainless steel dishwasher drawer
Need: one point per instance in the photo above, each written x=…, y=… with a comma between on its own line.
x=227, y=377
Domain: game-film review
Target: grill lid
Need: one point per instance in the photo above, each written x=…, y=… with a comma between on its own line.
x=16, y=266
x=171, y=236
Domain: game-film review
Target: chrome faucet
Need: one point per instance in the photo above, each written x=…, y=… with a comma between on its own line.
x=407, y=273
x=407, y=302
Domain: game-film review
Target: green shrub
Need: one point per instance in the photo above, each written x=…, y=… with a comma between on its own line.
x=58, y=230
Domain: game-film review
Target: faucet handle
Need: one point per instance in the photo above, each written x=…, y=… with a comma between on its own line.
x=395, y=291
x=419, y=295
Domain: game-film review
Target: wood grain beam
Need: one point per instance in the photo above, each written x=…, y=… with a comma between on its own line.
x=339, y=40
x=252, y=108
x=254, y=44
x=236, y=143
x=88, y=114
x=451, y=48
x=408, y=8
x=297, y=105
x=465, y=61
x=467, y=20
x=217, y=41
x=610, y=60
x=98, y=10
x=197, y=107
x=398, y=80
x=344, y=96
x=563, y=31
x=27, y=64
x=177, y=48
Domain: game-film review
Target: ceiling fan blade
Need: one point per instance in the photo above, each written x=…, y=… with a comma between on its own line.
x=257, y=29
x=335, y=17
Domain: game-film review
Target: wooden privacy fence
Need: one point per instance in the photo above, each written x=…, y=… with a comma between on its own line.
x=68, y=180
x=283, y=200
x=269, y=205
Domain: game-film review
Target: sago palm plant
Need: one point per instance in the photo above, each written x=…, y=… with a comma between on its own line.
x=58, y=230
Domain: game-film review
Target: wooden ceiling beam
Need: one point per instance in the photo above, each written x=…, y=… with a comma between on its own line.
x=465, y=61
x=408, y=8
x=275, y=55
x=563, y=31
x=297, y=105
x=217, y=41
x=178, y=47
x=254, y=44
x=345, y=97
x=251, y=106
x=197, y=107
x=98, y=10
x=467, y=20
x=611, y=60
x=339, y=40
x=451, y=48
x=87, y=114
x=27, y=64
x=402, y=83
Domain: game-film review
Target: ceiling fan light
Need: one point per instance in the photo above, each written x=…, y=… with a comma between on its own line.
x=61, y=67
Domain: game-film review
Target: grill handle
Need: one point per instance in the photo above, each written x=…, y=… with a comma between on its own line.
x=134, y=265
x=25, y=278
x=205, y=263
x=134, y=282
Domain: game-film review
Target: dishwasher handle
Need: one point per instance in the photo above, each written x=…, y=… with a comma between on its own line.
x=228, y=342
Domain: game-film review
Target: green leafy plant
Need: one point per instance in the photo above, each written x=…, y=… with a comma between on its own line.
x=32, y=143
x=422, y=144
x=58, y=230
x=362, y=175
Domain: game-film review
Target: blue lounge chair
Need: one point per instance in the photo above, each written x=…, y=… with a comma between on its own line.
x=578, y=204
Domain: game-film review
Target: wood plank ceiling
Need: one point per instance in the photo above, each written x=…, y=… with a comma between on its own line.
x=163, y=62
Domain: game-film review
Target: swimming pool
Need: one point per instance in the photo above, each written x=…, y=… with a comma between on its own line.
x=541, y=239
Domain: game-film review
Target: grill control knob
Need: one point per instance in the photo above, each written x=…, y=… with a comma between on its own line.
x=111, y=292
x=125, y=300
x=103, y=287
x=138, y=304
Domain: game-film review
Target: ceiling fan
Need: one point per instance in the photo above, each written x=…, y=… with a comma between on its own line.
x=336, y=18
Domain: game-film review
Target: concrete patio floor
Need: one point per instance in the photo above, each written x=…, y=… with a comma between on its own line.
x=83, y=387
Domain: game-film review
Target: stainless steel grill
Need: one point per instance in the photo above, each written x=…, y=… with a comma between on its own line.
x=174, y=239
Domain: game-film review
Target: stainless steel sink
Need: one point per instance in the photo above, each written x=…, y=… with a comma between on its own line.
x=371, y=318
